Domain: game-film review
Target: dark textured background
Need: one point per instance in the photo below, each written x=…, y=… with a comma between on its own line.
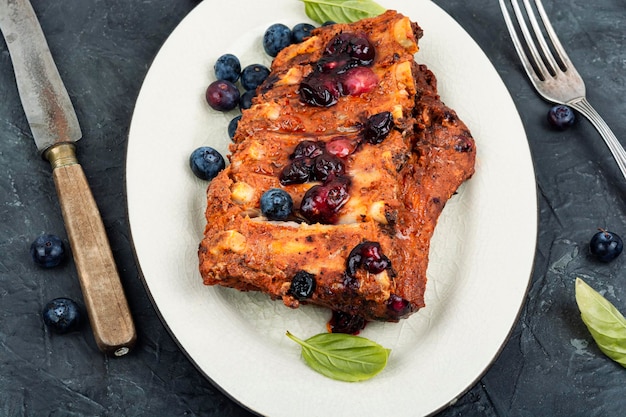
x=103, y=48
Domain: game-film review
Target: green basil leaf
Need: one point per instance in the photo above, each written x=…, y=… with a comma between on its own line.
x=342, y=356
x=605, y=323
x=341, y=11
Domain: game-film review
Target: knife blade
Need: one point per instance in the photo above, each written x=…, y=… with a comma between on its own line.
x=55, y=128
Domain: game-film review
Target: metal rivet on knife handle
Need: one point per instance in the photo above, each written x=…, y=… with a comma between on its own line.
x=55, y=127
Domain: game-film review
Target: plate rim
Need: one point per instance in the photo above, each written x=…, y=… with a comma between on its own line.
x=164, y=321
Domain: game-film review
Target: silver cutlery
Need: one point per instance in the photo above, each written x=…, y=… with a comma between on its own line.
x=549, y=68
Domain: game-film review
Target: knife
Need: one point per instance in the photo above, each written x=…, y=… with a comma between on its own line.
x=55, y=128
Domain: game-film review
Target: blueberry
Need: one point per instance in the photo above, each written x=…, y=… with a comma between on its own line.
x=227, y=67
x=308, y=149
x=378, y=127
x=363, y=50
x=276, y=38
x=276, y=204
x=245, y=102
x=62, y=315
x=206, y=162
x=347, y=323
x=327, y=166
x=47, y=251
x=340, y=44
x=605, y=245
x=253, y=76
x=561, y=117
x=297, y=171
x=300, y=32
x=302, y=285
x=232, y=126
x=222, y=95
x=320, y=90
x=328, y=23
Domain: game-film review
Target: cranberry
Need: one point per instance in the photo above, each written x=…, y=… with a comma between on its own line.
x=341, y=146
x=341, y=71
x=358, y=80
x=327, y=64
x=342, y=322
x=337, y=194
x=314, y=206
x=302, y=285
x=308, y=149
x=327, y=166
x=321, y=203
x=297, y=171
x=369, y=256
x=378, y=127
x=398, y=305
x=373, y=260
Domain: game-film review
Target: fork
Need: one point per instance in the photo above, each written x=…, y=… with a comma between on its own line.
x=550, y=70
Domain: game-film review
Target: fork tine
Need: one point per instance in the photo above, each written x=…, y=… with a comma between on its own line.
x=531, y=68
x=542, y=70
x=550, y=63
x=556, y=43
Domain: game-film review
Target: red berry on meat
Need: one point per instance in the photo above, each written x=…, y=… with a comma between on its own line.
x=358, y=81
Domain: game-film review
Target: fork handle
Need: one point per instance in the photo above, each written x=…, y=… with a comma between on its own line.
x=619, y=154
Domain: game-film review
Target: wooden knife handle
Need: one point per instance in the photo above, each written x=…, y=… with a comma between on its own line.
x=109, y=314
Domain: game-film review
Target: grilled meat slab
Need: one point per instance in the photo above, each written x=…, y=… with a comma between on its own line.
x=369, y=154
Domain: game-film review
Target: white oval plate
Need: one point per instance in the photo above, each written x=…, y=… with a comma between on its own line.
x=481, y=255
